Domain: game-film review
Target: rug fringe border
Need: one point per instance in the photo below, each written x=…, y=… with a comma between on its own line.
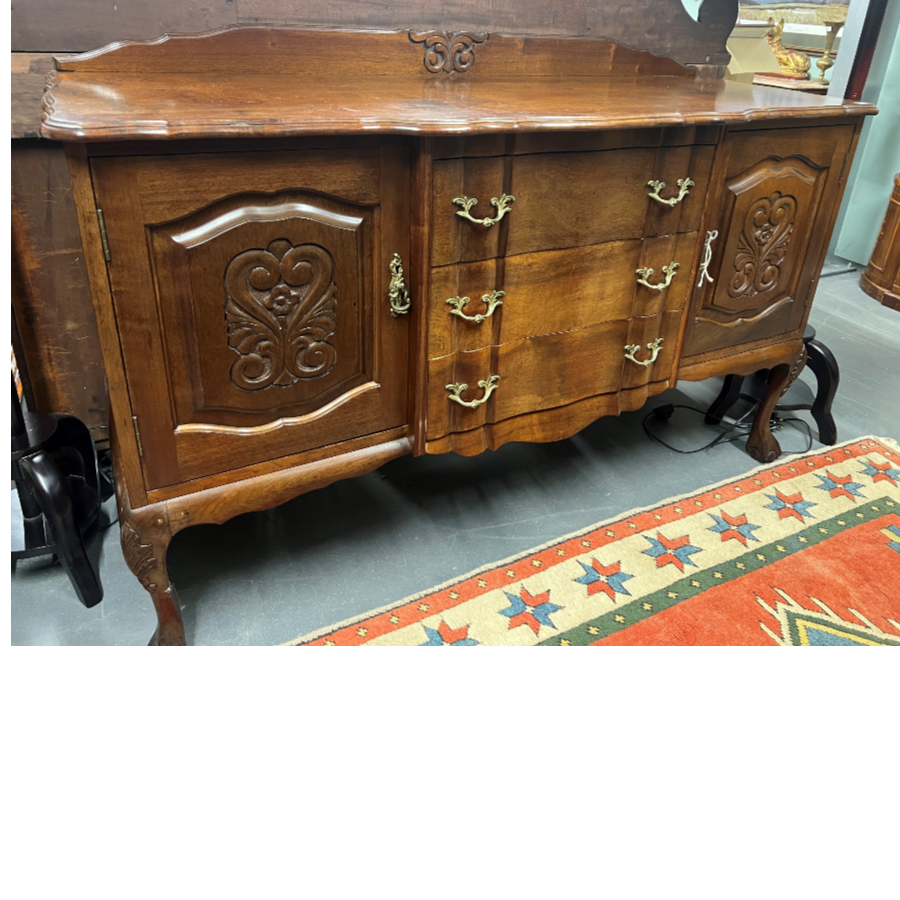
x=786, y=460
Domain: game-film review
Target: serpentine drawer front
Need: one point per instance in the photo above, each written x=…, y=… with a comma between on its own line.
x=564, y=200
x=555, y=291
x=312, y=252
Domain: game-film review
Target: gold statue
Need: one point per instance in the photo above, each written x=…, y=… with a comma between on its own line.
x=794, y=64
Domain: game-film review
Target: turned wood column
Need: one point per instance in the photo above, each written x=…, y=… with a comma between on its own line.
x=881, y=277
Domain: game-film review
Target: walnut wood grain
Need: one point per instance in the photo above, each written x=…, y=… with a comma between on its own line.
x=642, y=331
x=546, y=425
x=216, y=505
x=192, y=382
x=742, y=361
x=552, y=209
x=98, y=105
x=122, y=434
x=778, y=199
x=589, y=285
x=271, y=467
x=540, y=372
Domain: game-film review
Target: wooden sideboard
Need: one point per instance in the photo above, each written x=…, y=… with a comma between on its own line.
x=314, y=251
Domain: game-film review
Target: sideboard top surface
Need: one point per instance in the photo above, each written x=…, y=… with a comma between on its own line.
x=266, y=82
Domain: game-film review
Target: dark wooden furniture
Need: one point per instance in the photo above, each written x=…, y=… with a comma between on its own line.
x=881, y=277
x=312, y=252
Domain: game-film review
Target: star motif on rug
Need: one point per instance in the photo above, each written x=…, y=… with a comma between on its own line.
x=529, y=610
x=674, y=551
x=790, y=505
x=606, y=579
x=840, y=485
x=737, y=528
x=881, y=472
x=445, y=636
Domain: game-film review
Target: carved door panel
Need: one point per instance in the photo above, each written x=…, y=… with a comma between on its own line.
x=779, y=197
x=251, y=293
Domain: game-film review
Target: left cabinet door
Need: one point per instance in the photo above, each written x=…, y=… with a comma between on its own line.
x=251, y=295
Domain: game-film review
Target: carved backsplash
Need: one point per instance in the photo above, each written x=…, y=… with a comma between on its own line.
x=448, y=51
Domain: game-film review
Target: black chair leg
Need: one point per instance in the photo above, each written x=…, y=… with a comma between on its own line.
x=728, y=396
x=33, y=529
x=52, y=495
x=824, y=366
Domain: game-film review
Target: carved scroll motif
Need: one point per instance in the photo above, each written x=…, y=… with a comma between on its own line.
x=798, y=366
x=48, y=101
x=762, y=245
x=447, y=51
x=281, y=309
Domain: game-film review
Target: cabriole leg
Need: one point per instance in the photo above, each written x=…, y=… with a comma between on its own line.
x=762, y=445
x=145, y=541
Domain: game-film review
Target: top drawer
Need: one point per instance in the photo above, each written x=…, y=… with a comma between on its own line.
x=565, y=200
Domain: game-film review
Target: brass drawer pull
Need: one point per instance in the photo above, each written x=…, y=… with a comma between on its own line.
x=501, y=204
x=492, y=301
x=487, y=385
x=397, y=292
x=668, y=275
x=684, y=186
x=653, y=347
x=707, y=258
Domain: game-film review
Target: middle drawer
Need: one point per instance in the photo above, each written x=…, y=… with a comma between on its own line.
x=555, y=291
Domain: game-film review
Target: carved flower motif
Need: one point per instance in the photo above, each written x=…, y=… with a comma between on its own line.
x=281, y=299
x=765, y=233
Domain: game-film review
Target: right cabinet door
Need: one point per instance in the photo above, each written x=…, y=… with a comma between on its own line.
x=776, y=205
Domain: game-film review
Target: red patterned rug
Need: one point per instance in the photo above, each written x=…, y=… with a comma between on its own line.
x=802, y=552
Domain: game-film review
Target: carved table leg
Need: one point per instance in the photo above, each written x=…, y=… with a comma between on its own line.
x=145, y=540
x=762, y=445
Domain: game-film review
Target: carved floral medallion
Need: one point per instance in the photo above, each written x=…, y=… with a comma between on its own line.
x=281, y=309
x=447, y=51
x=762, y=245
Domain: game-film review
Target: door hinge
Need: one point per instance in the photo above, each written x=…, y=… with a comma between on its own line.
x=137, y=434
x=844, y=169
x=106, y=254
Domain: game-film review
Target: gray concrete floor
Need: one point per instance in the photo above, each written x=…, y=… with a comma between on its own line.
x=264, y=578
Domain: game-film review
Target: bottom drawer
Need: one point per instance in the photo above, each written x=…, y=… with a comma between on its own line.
x=548, y=371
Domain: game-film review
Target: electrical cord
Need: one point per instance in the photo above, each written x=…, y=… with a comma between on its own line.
x=735, y=431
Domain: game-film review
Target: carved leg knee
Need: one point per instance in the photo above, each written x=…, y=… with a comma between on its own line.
x=145, y=540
